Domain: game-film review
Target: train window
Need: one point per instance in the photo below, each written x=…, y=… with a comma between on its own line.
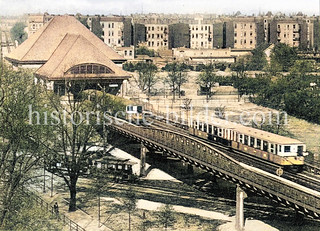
x=251, y=141
x=300, y=150
x=200, y=126
x=246, y=138
x=215, y=129
x=258, y=143
x=210, y=129
x=205, y=127
x=241, y=138
x=272, y=148
x=129, y=108
x=220, y=132
x=280, y=148
x=287, y=148
x=265, y=146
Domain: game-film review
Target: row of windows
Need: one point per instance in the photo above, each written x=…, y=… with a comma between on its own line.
x=151, y=28
x=244, y=34
x=294, y=26
x=243, y=41
x=199, y=36
x=243, y=26
x=89, y=69
x=126, y=53
x=156, y=35
x=200, y=28
x=152, y=44
x=244, y=139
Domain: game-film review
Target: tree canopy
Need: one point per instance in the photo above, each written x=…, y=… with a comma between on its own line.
x=17, y=32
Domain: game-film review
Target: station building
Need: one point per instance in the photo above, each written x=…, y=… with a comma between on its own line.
x=65, y=51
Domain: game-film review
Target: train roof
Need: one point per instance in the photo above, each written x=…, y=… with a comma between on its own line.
x=267, y=136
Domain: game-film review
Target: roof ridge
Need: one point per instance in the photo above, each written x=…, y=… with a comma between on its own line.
x=67, y=51
x=44, y=29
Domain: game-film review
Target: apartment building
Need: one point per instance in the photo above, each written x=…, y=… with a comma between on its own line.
x=157, y=36
x=201, y=35
x=113, y=30
x=36, y=21
x=295, y=32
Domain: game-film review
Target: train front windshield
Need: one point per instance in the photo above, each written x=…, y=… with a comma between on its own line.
x=139, y=109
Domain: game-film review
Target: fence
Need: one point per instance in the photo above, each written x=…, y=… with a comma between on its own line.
x=66, y=221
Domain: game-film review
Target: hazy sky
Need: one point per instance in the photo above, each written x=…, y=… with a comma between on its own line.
x=124, y=7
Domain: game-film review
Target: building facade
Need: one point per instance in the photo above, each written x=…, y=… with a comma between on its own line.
x=157, y=36
x=201, y=35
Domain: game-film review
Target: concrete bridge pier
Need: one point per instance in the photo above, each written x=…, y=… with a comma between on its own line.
x=143, y=153
x=241, y=195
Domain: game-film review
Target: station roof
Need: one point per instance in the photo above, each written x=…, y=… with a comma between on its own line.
x=73, y=50
x=39, y=47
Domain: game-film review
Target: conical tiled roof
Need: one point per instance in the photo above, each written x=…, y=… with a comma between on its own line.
x=73, y=50
x=39, y=47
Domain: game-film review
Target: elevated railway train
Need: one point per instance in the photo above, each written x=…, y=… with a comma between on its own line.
x=284, y=151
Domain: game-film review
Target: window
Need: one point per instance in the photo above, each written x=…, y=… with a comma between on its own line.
x=265, y=146
x=251, y=141
x=287, y=148
x=89, y=69
x=241, y=138
x=246, y=139
x=272, y=148
x=130, y=53
x=258, y=144
x=210, y=129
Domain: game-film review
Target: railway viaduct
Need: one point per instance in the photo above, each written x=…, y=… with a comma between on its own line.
x=248, y=179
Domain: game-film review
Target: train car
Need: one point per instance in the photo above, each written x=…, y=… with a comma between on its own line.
x=284, y=151
x=134, y=114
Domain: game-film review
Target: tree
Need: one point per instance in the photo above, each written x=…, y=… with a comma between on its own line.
x=75, y=124
x=145, y=51
x=96, y=27
x=166, y=216
x=147, y=76
x=20, y=141
x=207, y=79
x=283, y=56
x=17, y=32
x=130, y=203
x=176, y=77
x=258, y=61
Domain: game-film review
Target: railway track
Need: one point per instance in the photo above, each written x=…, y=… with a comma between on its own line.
x=309, y=181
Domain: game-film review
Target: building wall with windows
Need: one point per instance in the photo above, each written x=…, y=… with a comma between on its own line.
x=157, y=36
x=36, y=21
x=293, y=32
x=113, y=31
x=245, y=34
x=201, y=35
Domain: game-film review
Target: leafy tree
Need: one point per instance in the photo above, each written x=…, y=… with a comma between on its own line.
x=207, y=78
x=145, y=51
x=75, y=127
x=166, y=216
x=283, y=57
x=147, y=76
x=258, y=61
x=240, y=67
x=20, y=140
x=17, y=32
x=96, y=27
x=176, y=77
x=83, y=20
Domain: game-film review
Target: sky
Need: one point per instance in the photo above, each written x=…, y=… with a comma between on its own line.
x=126, y=7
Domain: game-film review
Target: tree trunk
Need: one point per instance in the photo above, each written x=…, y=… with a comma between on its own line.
x=73, y=194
